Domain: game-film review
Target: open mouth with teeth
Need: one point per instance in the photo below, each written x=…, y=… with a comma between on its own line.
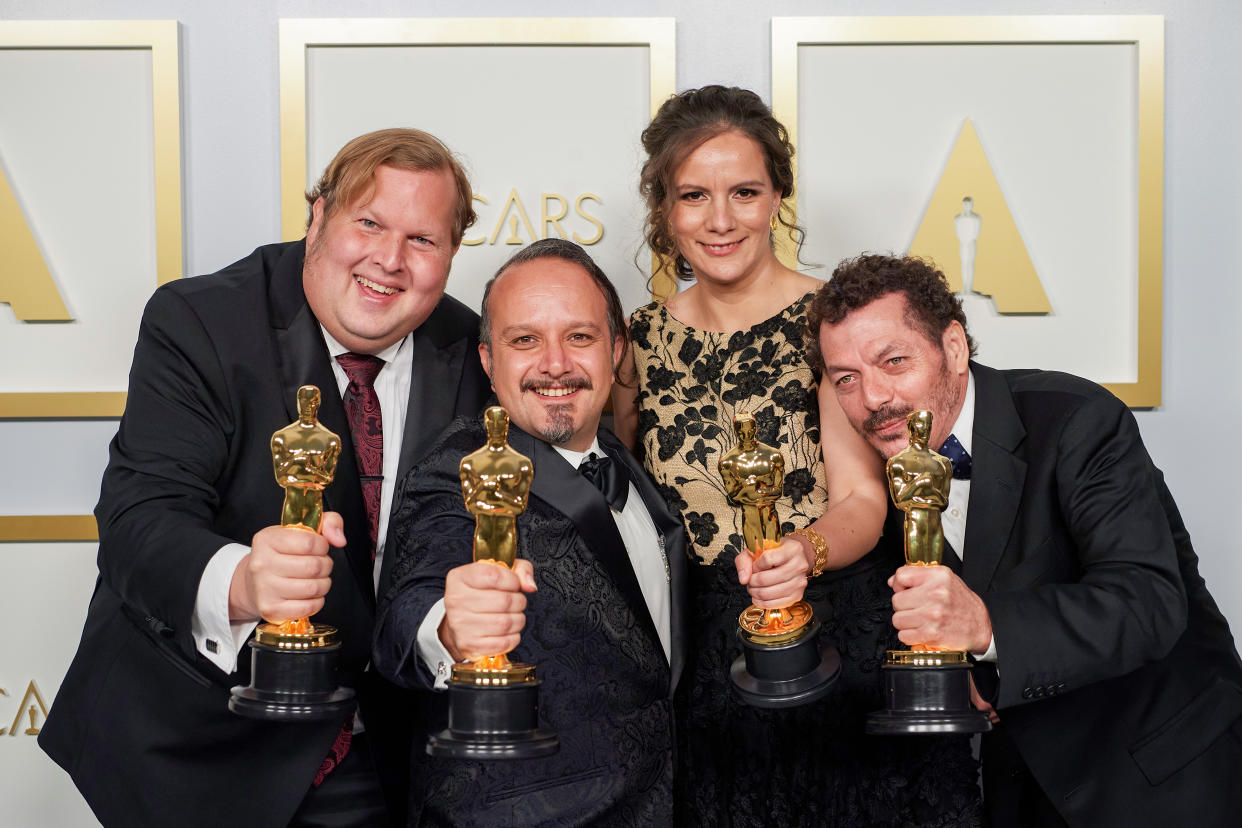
x=375, y=286
x=554, y=392
x=721, y=249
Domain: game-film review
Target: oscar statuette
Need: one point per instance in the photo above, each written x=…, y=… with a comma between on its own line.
x=783, y=664
x=293, y=663
x=926, y=689
x=494, y=702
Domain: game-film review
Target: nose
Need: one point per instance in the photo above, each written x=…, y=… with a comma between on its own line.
x=554, y=359
x=387, y=252
x=720, y=216
x=877, y=390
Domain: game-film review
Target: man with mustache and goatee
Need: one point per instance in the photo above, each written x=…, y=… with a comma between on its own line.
x=1110, y=673
x=594, y=598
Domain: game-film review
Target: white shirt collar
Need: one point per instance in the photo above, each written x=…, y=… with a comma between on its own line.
x=335, y=349
x=575, y=458
x=964, y=427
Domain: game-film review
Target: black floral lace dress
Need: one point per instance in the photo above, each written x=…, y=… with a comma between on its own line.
x=740, y=765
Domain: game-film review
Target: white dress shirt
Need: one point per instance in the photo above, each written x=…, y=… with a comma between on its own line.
x=953, y=519
x=221, y=640
x=647, y=556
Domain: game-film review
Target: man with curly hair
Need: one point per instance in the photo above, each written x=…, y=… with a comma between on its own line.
x=1110, y=673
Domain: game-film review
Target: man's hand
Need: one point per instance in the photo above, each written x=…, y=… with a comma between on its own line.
x=980, y=704
x=776, y=578
x=286, y=573
x=933, y=606
x=484, y=608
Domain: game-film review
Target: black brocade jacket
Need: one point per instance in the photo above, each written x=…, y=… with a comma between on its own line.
x=607, y=686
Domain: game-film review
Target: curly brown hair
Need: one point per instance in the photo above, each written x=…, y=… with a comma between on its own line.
x=683, y=123
x=857, y=282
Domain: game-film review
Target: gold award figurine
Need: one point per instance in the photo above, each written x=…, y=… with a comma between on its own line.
x=293, y=663
x=926, y=688
x=304, y=457
x=754, y=475
x=495, y=482
x=918, y=481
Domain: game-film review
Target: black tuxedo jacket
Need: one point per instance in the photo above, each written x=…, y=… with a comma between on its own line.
x=141, y=721
x=607, y=686
x=1119, y=682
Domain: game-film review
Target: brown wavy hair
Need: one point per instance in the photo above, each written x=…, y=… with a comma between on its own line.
x=856, y=283
x=683, y=123
x=352, y=172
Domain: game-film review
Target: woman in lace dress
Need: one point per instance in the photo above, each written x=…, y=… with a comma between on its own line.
x=716, y=181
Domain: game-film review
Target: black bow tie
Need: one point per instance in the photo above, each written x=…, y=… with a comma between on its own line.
x=958, y=456
x=609, y=477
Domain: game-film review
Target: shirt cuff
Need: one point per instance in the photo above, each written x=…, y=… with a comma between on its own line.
x=435, y=656
x=218, y=639
x=990, y=653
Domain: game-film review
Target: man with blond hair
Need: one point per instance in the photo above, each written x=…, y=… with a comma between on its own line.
x=191, y=552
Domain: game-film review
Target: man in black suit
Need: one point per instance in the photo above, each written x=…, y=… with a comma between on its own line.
x=191, y=552
x=1113, y=678
x=604, y=624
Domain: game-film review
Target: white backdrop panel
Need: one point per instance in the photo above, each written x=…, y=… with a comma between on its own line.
x=532, y=120
x=76, y=145
x=47, y=587
x=1057, y=123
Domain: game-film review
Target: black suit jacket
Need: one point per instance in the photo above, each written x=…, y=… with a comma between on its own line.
x=141, y=721
x=607, y=686
x=1119, y=682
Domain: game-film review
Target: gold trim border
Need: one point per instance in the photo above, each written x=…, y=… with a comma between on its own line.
x=161, y=37
x=1145, y=32
x=48, y=528
x=297, y=35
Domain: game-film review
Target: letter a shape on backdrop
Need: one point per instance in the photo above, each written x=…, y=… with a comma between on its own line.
x=25, y=281
x=1002, y=265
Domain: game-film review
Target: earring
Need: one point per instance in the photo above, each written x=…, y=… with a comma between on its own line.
x=773, y=222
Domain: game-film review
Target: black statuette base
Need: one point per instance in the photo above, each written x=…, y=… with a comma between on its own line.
x=785, y=675
x=927, y=699
x=493, y=722
x=292, y=685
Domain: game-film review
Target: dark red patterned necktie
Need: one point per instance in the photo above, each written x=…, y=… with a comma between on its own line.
x=366, y=427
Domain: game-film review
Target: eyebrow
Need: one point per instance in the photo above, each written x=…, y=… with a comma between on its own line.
x=581, y=325
x=880, y=356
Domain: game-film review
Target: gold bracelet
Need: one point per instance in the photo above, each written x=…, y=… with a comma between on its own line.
x=819, y=545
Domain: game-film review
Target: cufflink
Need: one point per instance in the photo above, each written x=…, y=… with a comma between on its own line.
x=212, y=646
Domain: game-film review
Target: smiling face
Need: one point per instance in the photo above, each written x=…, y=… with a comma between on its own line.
x=882, y=368
x=551, y=359
x=723, y=204
x=375, y=269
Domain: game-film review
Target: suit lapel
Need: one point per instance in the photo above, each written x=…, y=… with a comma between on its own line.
x=673, y=532
x=559, y=485
x=996, y=480
x=304, y=361
x=437, y=370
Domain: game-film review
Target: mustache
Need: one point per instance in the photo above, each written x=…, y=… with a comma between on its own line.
x=573, y=384
x=887, y=414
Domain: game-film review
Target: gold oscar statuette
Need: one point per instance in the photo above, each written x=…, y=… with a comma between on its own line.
x=919, y=481
x=293, y=663
x=495, y=482
x=926, y=689
x=304, y=457
x=493, y=703
x=754, y=474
